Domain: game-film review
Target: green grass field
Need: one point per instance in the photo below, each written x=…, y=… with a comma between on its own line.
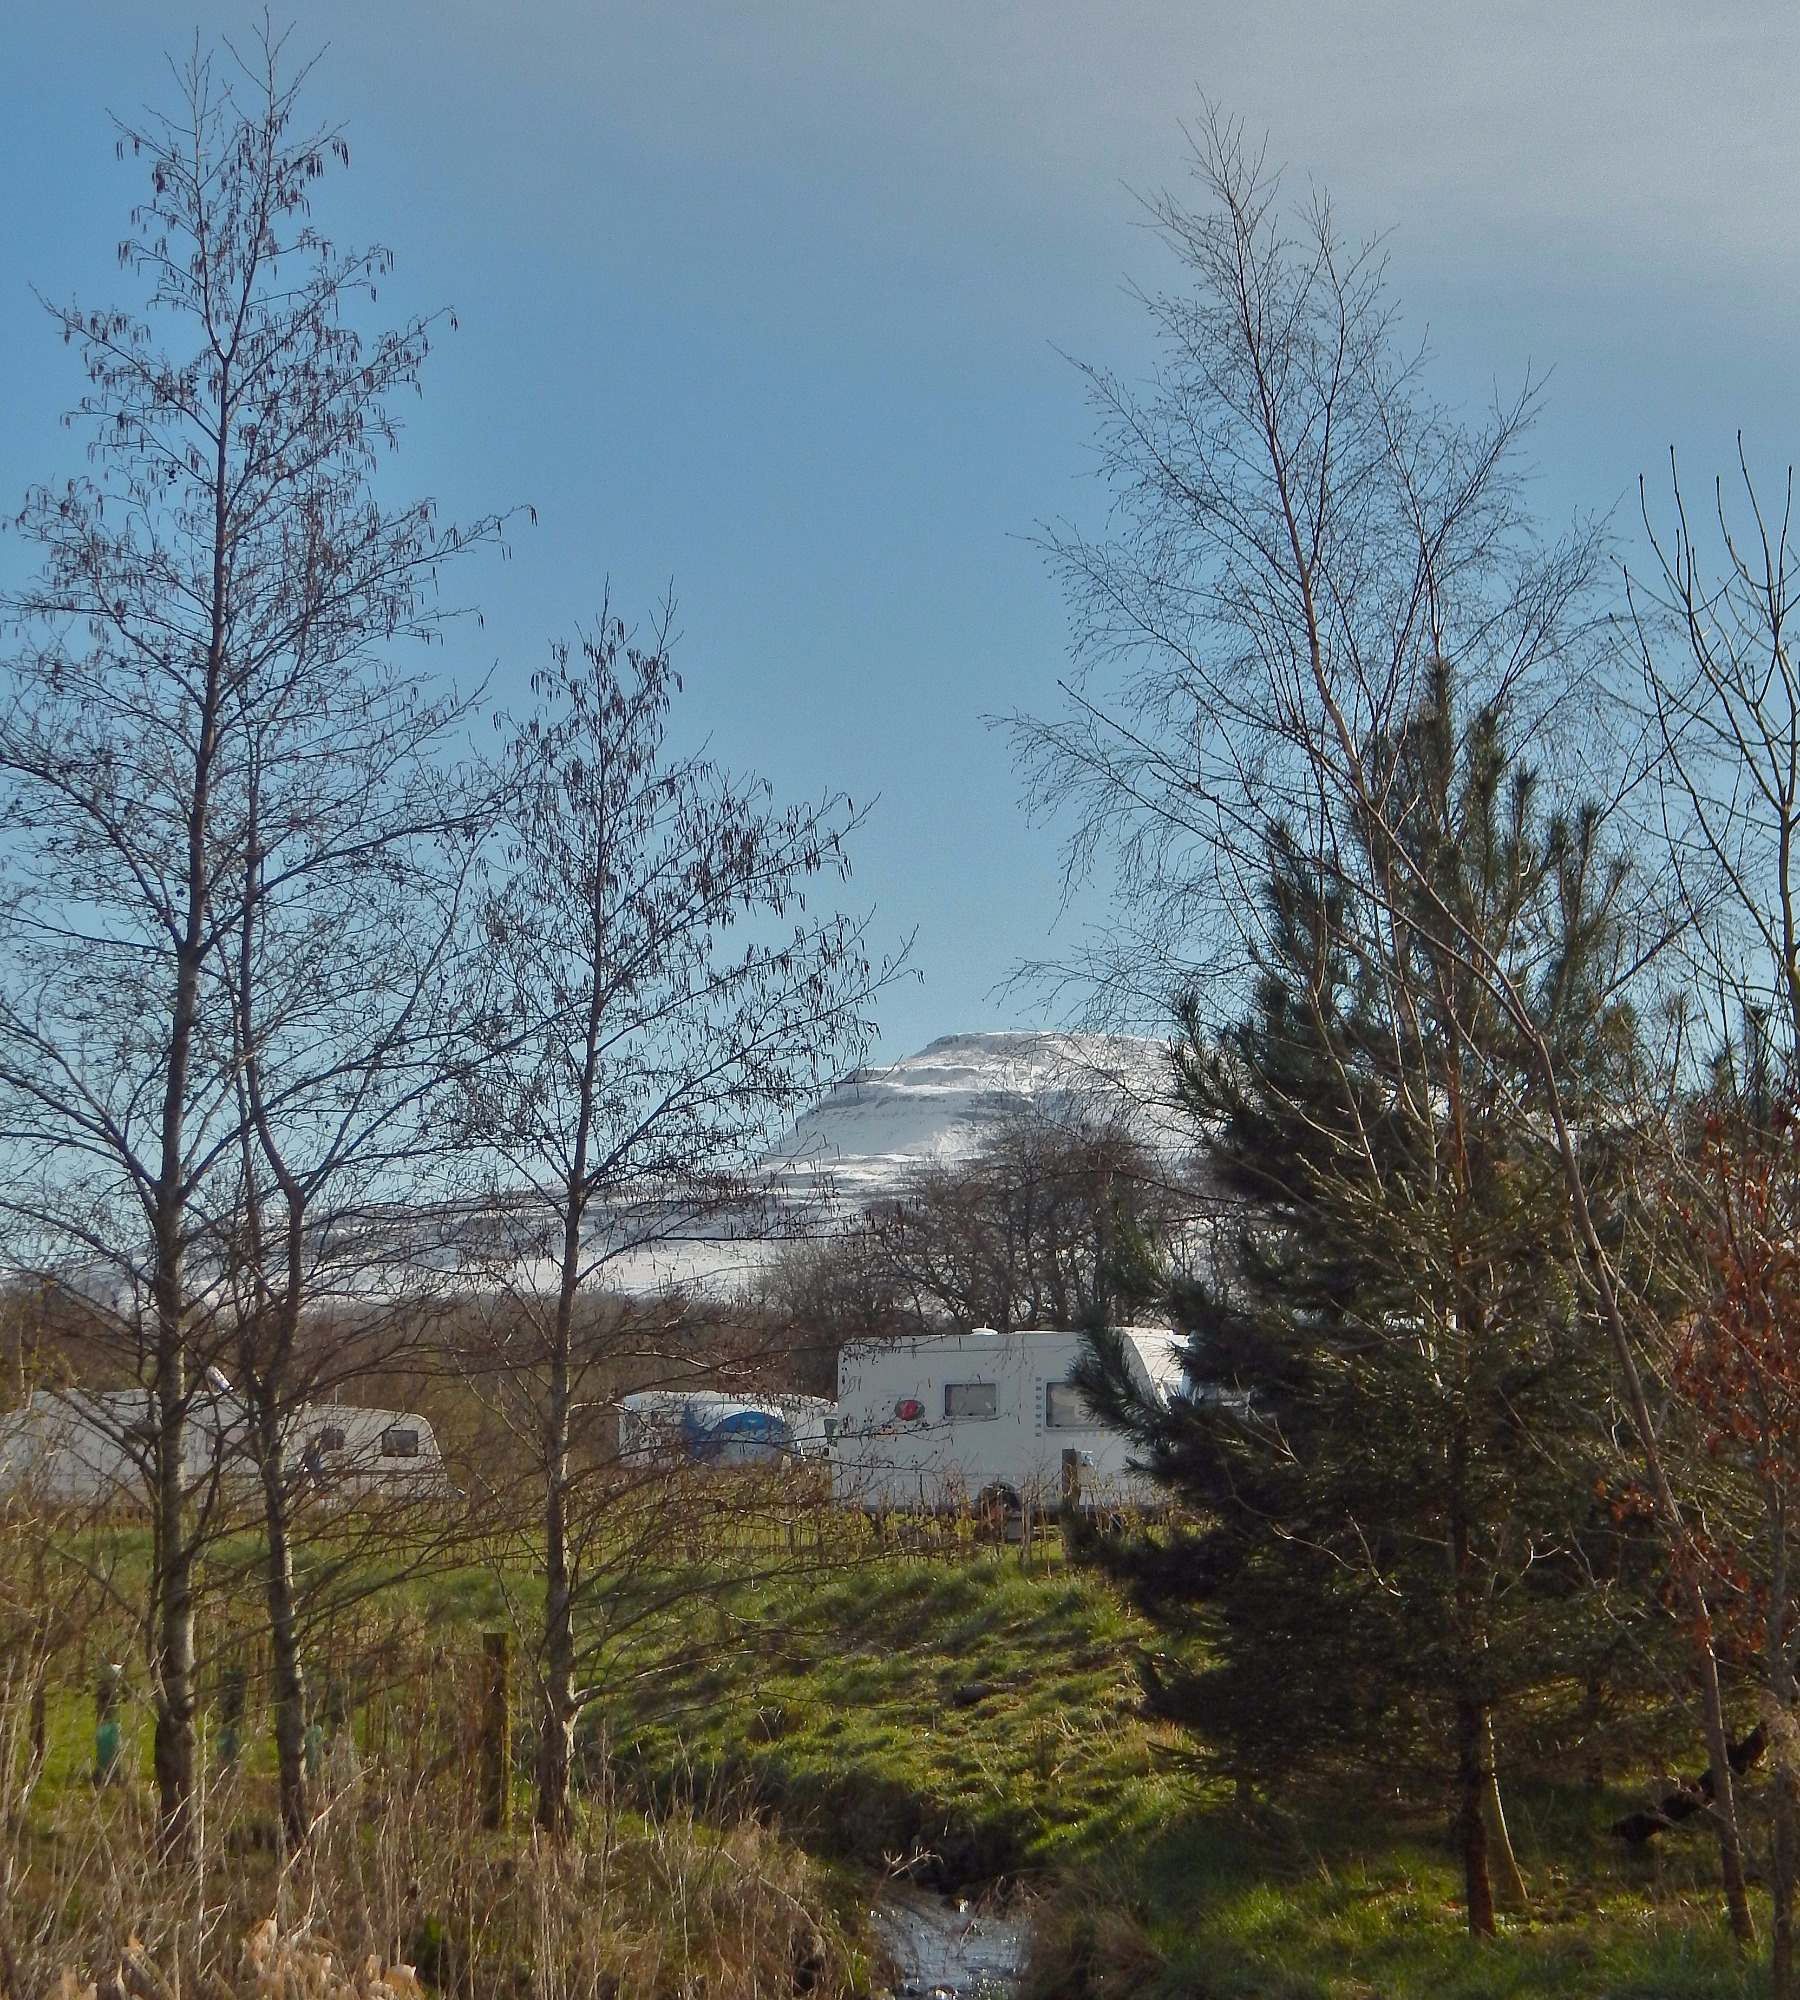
x=974, y=1718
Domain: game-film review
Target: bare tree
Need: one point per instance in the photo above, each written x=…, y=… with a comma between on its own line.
x=1723, y=710
x=820, y=1292
x=226, y=549
x=1711, y=625
x=663, y=1000
x=1301, y=540
x=344, y=953
x=1049, y=1224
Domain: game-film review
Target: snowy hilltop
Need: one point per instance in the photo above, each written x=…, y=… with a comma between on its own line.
x=945, y=1102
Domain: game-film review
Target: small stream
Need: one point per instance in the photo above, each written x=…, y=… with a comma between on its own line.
x=948, y=1950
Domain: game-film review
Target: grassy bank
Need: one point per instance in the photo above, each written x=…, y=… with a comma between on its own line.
x=978, y=1721
x=961, y=1716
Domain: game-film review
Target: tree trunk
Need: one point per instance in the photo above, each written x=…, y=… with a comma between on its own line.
x=1512, y=1890
x=1781, y=1884
x=1724, y=1795
x=1779, y=1718
x=1473, y=1769
x=1593, y=1763
x=172, y=1635
x=556, y=1653
x=172, y=1607
x=556, y=1728
x=287, y=1669
x=1473, y=1778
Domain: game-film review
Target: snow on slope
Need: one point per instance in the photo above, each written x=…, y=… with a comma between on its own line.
x=855, y=1147
x=859, y=1143
x=946, y=1101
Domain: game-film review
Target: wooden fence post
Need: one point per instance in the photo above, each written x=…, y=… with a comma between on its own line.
x=496, y=1730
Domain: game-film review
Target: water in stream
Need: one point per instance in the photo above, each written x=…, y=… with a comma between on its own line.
x=947, y=1950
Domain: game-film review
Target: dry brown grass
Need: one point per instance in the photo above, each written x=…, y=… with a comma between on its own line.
x=397, y=1894
x=399, y=1891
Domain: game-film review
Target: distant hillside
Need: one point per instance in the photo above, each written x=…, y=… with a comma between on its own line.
x=855, y=1147
x=859, y=1143
x=944, y=1102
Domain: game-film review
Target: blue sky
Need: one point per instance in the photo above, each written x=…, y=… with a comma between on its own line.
x=767, y=301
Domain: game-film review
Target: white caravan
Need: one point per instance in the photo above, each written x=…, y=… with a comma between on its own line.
x=984, y=1417
x=354, y=1452
x=715, y=1427
x=77, y=1449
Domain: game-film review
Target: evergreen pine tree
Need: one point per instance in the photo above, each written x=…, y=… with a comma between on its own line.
x=1388, y=1464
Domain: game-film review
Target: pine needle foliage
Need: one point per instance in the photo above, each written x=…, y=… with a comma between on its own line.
x=1395, y=1427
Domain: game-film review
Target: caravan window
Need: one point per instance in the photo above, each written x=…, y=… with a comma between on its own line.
x=971, y=1399
x=398, y=1443
x=331, y=1438
x=1065, y=1409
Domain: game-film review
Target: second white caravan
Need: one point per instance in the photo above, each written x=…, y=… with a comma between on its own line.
x=984, y=1418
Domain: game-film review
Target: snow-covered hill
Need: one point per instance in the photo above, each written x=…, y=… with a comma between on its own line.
x=860, y=1142
x=945, y=1102
x=855, y=1147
